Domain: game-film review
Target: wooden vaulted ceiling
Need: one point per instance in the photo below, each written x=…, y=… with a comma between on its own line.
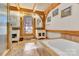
x=14, y=8
x=39, y=8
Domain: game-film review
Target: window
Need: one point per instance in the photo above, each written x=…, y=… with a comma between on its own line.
x=3, y=24
x=3, y=20
x=3, y=27
x=28, y=24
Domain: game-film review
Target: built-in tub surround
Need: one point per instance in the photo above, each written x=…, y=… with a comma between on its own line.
x=62, y=47
x=74, y=38
x=53, y=35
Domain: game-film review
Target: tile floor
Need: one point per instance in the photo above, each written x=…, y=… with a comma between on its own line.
x=27, y=48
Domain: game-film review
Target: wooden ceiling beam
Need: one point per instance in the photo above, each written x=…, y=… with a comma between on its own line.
x=26, y=10
x=52, y=6
x=34, y=5
x=39, y=12
x=14, y=8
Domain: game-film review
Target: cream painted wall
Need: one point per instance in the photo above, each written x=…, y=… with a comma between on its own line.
x=66, y=23
x=15, y=19
x=37, y=17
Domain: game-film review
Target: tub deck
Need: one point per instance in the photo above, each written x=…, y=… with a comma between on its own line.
x=62, y=47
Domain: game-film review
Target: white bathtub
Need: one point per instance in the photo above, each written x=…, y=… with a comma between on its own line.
x=63, y=47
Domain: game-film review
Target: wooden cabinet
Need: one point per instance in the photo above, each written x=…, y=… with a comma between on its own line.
x=40, y=34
